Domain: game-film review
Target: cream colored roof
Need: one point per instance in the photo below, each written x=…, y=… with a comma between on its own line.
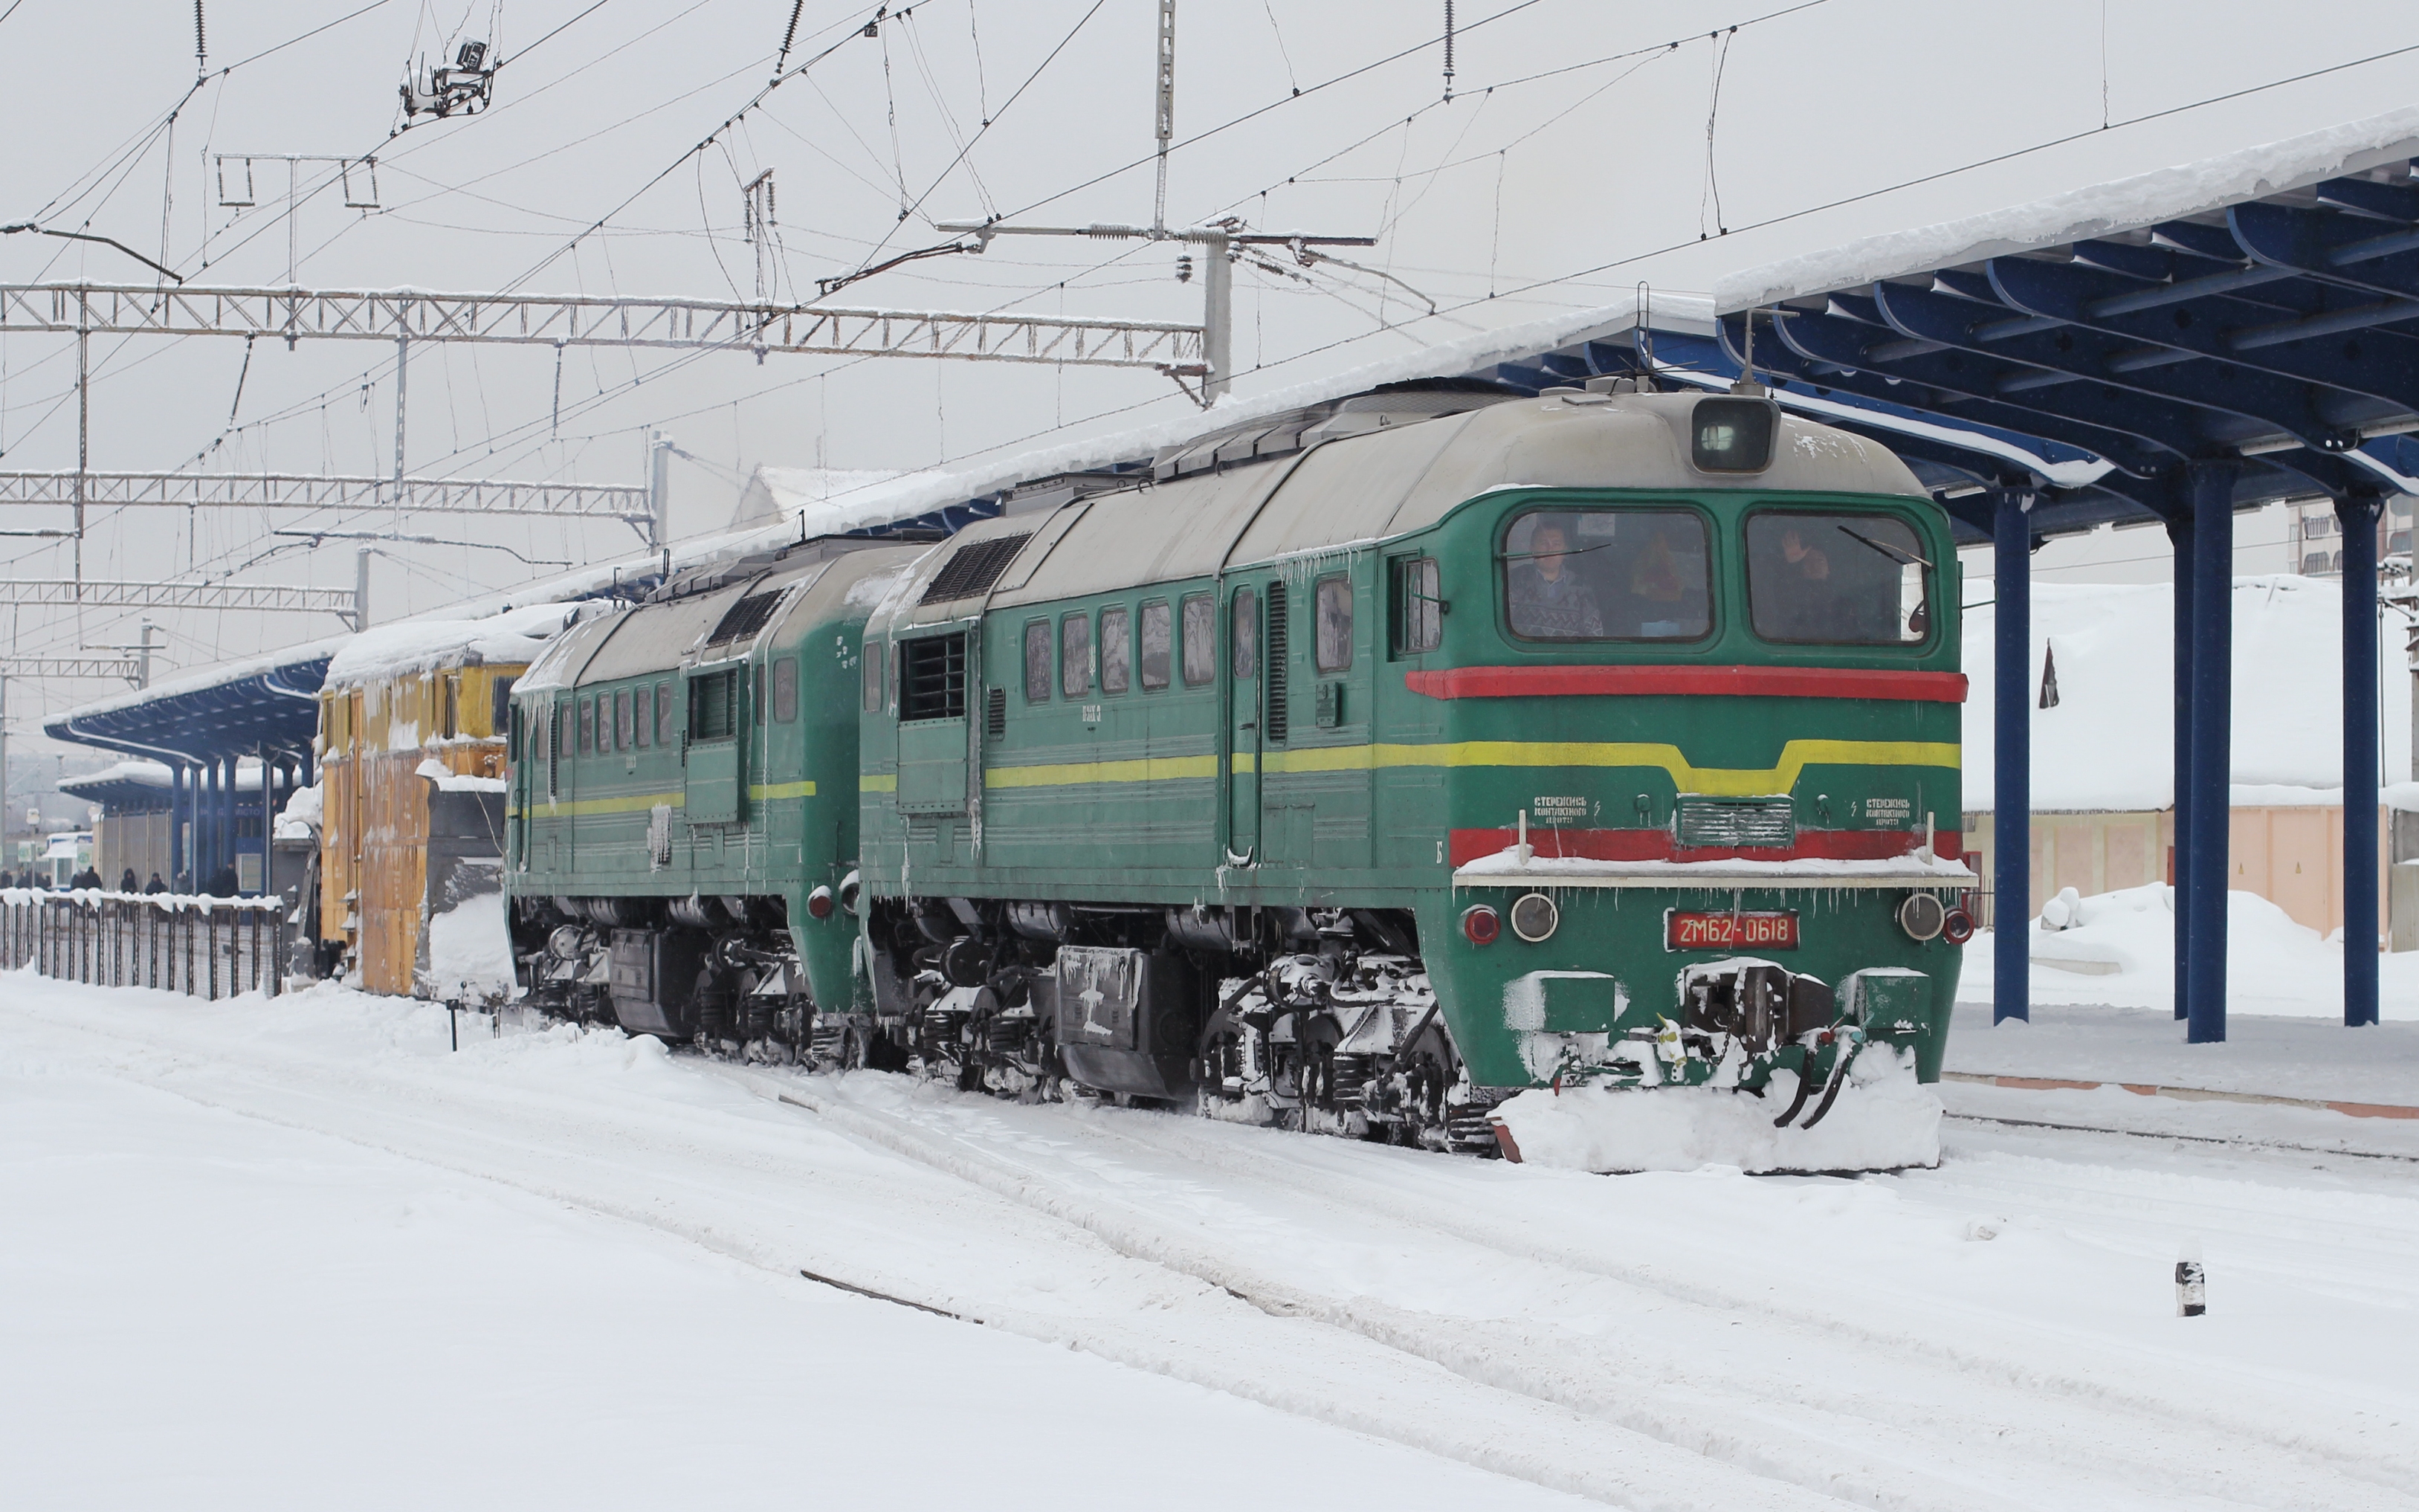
x=1385, y=483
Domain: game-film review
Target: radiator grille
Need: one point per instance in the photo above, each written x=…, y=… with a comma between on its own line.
x=1737, y=823
x=1280, y=714
x=744, y=618
x=974, y=569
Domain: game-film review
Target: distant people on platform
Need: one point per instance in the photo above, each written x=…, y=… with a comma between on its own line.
x=88, y=877
x=8, y=878
x=155, y=884
x=127, y=882
x=223, y=883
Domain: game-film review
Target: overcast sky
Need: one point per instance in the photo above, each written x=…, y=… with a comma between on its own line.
x=1570, y=167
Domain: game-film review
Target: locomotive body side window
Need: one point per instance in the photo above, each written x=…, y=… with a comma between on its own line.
x=1117, y=648
x=1836, y=579
x=1608, y=575
x=1075, y=655
x=785, y=691
x=1200, y=640
x=1334, y=608
x=622, y=739
x=662, y=713
x=642, y=722
x=1037, y=662
x=1158, y=633
x=587, y=726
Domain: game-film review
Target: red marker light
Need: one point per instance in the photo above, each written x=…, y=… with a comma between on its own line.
x=1481, y=924
x=818, y=903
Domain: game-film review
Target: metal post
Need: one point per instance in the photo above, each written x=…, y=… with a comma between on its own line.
x=401, y=360
x=2011, y=866
x=84, y=430
x=1164, y=71
x=360, y=588
x=143, y=656
x=2358, y=517
x=659, y=488
x=1217, y=317
x=2212, y=741
x=2180, y=535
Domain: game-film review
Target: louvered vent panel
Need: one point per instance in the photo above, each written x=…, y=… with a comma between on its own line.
x=995, y=713
x=974, y=569
x=1279, y=706
x=933, y=678
x=1737, y=823
x=744, y=618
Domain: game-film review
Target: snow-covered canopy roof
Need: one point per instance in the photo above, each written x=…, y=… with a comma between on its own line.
x=2108, y=744
x=2184, y=191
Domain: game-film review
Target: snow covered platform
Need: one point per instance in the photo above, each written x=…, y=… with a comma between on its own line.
x=2307, y=1059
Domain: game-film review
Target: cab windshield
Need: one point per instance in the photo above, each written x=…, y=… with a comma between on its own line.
x=1825, y=579
x=1608, y=575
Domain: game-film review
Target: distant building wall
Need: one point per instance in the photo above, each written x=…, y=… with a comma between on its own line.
x=2292, y=856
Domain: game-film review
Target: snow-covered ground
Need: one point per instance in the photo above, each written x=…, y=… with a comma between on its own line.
x=2121, y=953
x=293, y=1252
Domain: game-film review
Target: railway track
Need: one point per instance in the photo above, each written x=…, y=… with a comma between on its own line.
x=1860, y=1425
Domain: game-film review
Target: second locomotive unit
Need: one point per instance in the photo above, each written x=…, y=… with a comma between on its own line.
x=1355, y=769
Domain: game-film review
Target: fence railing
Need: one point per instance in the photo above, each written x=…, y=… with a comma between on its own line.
x=201, y=946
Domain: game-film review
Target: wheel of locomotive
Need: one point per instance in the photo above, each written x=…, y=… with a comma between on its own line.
x=1424, y=1071
x=853, y=1055
x=1315, y=1064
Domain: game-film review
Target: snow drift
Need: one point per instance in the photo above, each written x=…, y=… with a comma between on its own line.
x=1884, y=1120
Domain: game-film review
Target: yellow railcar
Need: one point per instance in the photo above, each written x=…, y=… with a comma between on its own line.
x=412, y=769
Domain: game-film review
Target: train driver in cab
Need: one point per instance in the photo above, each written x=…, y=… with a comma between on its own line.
x=1549, y=602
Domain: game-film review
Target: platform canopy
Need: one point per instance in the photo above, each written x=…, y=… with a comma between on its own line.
x=2172, y=346
x=2249, y=308
x=266, y=703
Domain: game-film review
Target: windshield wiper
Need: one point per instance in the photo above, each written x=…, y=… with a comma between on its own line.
x=1884, y=547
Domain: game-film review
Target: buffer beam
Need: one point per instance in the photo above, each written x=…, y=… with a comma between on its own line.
x=570, y=320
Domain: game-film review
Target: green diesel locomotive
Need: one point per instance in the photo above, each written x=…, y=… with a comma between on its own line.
x=1354, y=770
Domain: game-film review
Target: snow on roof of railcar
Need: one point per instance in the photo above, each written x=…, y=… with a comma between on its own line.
x=514, y=637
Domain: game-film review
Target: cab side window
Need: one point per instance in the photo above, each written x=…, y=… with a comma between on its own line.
x=873, y=700
x=1419, y=606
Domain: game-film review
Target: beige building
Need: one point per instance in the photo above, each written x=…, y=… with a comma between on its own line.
x=2290, y=855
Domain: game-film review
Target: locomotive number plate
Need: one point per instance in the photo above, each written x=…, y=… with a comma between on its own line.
x=1729, y=931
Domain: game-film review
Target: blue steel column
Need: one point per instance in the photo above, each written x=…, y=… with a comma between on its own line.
x=2358, y=517
x=2180, y=535
x=2011, y=823
x=2212, y=730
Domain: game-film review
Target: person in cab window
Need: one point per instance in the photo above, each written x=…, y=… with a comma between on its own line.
x=1548, y=601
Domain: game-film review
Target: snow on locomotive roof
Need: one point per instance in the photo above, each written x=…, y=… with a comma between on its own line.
x=408, y=646
x=2172, y=193
x=1388, y=483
